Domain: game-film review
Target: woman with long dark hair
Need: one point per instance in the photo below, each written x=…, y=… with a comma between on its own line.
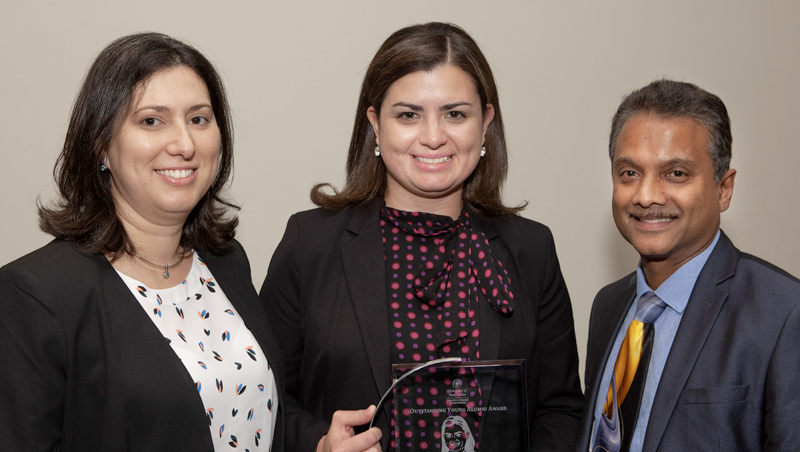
x=138, y=327
x=417, y=257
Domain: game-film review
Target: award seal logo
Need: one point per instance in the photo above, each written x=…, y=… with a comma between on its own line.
x=456, y=395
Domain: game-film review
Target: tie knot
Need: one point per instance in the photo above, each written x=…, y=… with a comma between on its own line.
x=649, y=308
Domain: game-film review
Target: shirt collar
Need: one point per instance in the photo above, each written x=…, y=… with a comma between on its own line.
x=677, y=289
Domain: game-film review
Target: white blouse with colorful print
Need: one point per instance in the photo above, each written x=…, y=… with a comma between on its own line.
x=231, y=372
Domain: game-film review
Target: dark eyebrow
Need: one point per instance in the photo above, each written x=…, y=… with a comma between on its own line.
x=158, y=108
x=684, y=162
x=161, y=108
x=455, y=105
x=447, y=107
x=670, y=162
x=200, y=107
x=411, y=107
x=623, y=161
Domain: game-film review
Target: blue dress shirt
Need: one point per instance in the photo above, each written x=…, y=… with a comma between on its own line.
x=675, y=292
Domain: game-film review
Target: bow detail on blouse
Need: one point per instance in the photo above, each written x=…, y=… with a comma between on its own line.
x=460, y=272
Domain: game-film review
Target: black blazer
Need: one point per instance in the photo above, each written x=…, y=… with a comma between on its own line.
x=731, y=378
x=325, y=293
x=84, y=368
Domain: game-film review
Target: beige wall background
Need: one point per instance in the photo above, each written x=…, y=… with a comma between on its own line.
x=293, y=71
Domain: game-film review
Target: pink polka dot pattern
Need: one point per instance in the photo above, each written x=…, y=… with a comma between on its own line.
x=438, y=269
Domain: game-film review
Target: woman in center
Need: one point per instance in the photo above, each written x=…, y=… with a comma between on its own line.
x=417, y=257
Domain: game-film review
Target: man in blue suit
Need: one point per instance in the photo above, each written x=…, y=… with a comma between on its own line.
x=724, y=370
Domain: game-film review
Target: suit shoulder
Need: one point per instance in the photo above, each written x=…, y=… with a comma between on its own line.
x=518, y=223
x=312, y=233
x=521, y=233
x=55, y=274
x=233, y=254
x=759, y=272
x=321, y=218
x=57, y=257
x=321, y=212
x=617, y=286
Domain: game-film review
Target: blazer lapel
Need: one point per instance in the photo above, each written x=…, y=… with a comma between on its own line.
x=138, y=339
x=610, y=322
x=704, y=305
x=364, y=268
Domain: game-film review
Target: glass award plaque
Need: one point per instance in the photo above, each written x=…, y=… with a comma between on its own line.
x=448, y=405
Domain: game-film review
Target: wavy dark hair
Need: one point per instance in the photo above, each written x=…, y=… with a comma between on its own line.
x=669, y=99
x=422, y=48
x=85, y=211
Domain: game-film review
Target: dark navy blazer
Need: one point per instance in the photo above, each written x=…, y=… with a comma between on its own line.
x=732, y=377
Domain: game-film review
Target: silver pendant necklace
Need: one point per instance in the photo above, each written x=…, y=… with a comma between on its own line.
x=165, y=267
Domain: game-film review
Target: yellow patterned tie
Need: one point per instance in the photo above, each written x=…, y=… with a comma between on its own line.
x=636, y=347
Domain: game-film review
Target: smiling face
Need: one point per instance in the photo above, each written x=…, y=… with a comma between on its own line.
x=430, y=131
x=165, y=155
x=666, y=202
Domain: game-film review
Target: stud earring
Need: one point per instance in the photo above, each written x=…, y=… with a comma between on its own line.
x=103, y=165
x=377, y=151
x=483, y=151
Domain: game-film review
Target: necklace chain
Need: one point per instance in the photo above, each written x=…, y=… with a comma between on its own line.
x=165, y=267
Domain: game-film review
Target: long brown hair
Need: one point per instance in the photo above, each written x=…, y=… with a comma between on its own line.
x=85, y=212
x=422, y=48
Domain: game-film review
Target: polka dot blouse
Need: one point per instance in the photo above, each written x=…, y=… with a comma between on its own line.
x=438, y=270
x=231, y=373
